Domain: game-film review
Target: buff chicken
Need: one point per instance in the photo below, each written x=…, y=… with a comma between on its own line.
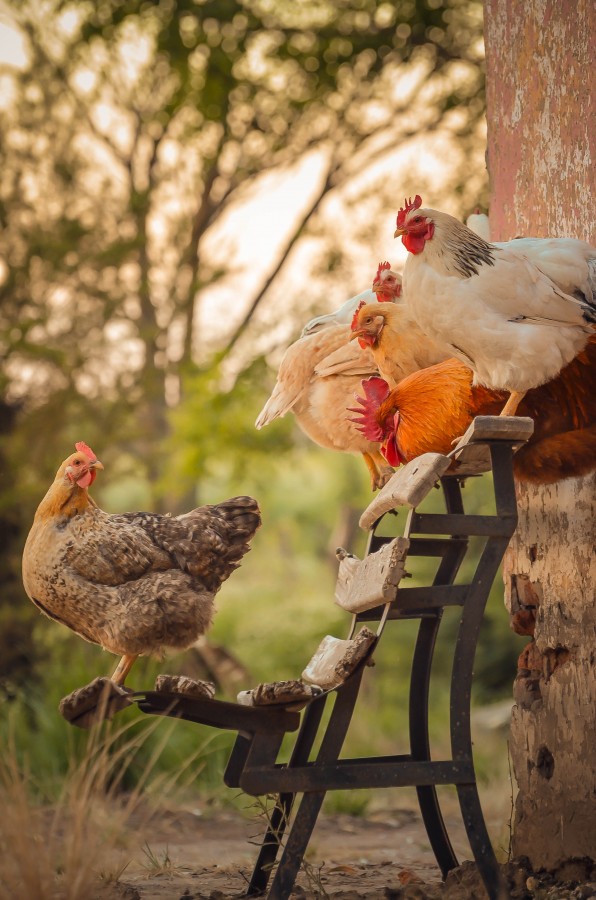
x=398, y=345
x=319, y=401
x=515, y=321
x=134, y=583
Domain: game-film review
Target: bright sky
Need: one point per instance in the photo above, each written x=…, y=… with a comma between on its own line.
x=12, y=45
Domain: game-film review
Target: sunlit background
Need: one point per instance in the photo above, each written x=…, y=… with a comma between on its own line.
x=183, y=184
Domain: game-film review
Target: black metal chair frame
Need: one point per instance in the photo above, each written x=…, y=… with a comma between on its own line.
x=253, y=765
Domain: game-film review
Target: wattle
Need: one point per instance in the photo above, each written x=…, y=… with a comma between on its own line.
x=85, y=480
x=390, y=449
x=415, y=238
x=414, y=242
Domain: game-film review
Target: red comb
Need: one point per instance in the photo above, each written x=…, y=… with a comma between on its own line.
x=354, y=324
x=375, y=391
x=408, y=207
x=382, y=268
x=82, y=447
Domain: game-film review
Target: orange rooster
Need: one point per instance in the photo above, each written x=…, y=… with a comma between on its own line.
x=425, y=412
x=135, y=583
x=431, y=408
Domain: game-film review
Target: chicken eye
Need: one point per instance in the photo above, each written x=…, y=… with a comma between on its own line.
x=417, y=219
x=77, y=462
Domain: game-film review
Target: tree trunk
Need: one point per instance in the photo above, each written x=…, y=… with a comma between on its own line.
x=542, y=151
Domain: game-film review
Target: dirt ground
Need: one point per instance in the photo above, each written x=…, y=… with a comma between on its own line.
x=197, y=855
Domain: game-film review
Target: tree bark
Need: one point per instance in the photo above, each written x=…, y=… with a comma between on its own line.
x=541, y=156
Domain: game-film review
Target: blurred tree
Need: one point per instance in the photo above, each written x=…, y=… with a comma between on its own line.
x=135, y=128
x=131, y=138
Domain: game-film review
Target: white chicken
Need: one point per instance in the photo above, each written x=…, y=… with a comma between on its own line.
x=570, y=263
x=341, y=316
x=492, y=306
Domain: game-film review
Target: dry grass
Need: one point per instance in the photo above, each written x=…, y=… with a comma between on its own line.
x=62, y=851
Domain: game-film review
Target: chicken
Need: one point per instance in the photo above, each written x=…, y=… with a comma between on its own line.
x=429, y=409
x=570, y=263
x=135, y=583
x=490, y=305
x=425, y=412
x=341, y=316
x=564, y=411
x=386, y=289
x=398, y=345
x=319, y=404
x=319, y=401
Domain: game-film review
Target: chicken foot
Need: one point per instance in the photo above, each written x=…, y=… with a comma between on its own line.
x=379, y=469
x=123, y=668
x=515, y=398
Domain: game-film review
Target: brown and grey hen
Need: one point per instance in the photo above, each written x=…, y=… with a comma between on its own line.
x=135, y=583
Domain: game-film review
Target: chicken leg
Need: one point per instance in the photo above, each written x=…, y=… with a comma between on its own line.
x=515, y=398
x=380, y=470
x=123, y=668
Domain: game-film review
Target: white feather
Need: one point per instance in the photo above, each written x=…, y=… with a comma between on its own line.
x=498, y=319
x=341, y=316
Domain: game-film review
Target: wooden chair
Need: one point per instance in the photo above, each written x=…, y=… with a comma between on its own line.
x=371, y=590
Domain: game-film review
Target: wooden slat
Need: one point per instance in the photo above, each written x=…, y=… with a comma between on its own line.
x=279, y=693
x=335, y=659
x=408, y=487
x=365, y=583
x=472, y=456
x=470, y=459
x=181, y=684
x=498, y=428
x=95, y=702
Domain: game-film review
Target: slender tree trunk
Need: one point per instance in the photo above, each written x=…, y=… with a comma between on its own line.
x=541, y=56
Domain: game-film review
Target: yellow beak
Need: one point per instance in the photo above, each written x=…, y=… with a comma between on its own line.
x=399, y=232
x=96, y=465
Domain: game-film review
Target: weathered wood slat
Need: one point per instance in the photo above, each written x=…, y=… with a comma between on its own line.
x=336, y=659
x=95, y=702
x=470, y=459
x=365, y=583
x=408, y=487
x=181, y=684
x=472, y=455
x=498, y=428
x=279, y=693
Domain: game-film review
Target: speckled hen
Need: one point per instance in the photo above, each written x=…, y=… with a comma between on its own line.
x=135, y=583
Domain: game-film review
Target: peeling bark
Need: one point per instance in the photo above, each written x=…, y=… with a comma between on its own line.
x=553, y=728
x=541, y=55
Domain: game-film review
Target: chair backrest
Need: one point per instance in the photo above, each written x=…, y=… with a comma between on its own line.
x=366, y=583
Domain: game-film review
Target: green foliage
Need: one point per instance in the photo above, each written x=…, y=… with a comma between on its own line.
x=214, y=427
